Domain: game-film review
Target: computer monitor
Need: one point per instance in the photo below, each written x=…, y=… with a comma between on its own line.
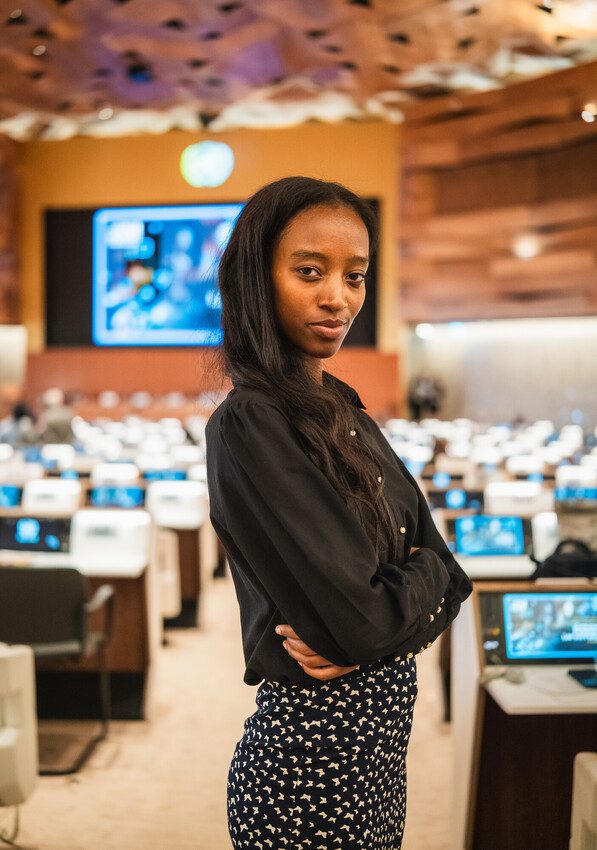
x=116, y=497
x=543, y=627
x=482, y=536
x=165, y=475
x=10, y=495
x=34, y=534
x=456, y=499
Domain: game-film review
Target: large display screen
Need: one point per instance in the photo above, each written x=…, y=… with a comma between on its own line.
x=489, y=535
x=550, y=625
x=155, y=272
x=32, y=534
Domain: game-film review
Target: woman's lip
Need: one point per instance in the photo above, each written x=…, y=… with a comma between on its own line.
x=327, y=332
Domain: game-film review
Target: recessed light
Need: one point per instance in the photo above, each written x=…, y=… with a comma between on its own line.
x=39, y=50
x=526, y=246
x=105, y=113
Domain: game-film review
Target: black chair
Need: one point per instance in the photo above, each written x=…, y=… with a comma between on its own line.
x=48, y=609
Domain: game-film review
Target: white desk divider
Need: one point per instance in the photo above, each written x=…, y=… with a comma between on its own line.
x=197, y=472
x=6, y=452
x=62, y=453
x=111, y=541
x=177, y=504
x=573, y=475
x=115, y=473
x=18, y=725
x=51, y=496
x=186, y=455
x=518, y=498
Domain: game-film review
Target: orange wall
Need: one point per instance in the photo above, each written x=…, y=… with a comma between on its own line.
x=89, y=172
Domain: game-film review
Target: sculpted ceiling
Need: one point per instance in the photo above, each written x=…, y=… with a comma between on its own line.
x=113, y=67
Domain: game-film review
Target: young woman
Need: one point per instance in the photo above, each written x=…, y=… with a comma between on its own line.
x=339, y=571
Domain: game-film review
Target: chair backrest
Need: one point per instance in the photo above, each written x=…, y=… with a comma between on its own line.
x=42, y=605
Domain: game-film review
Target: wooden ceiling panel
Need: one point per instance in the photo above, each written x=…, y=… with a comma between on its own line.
x=226, y=65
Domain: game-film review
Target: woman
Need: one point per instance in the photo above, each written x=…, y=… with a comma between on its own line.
x=340, y=573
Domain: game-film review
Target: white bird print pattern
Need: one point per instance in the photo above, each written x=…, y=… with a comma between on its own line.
x=325, y=765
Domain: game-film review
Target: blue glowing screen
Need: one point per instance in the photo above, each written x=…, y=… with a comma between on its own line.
x=576, y=494
x=489, y=535
x=550, y=625
x=155, y=272
x=10, y=496
x=164, y=475
x=117, y=497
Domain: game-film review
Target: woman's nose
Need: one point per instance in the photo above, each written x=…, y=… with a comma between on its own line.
x=333, y=293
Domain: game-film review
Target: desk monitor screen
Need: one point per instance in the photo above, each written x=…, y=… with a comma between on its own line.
x=164, y=475
x=10, y=496
x=550, y=625
x=456, y=499
x=116, y=497
x=584, y=495
x=478, y=536
x=33, y=534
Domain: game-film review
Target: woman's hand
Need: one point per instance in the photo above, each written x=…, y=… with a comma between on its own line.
x=314, y=665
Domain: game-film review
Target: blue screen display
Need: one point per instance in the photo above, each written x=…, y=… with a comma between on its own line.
x=441, y=480
x=155, y=272
x=164, y=475
x=117, y=497
x=576, y=494
x=489, y=535
x=550, y=625
x=10, y=496
x=455, y=499
x=31, y=534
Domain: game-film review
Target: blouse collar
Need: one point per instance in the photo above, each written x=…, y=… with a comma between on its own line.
x=331, y=380
x=349, y=392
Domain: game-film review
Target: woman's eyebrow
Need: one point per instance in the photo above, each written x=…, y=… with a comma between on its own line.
x=317, y=255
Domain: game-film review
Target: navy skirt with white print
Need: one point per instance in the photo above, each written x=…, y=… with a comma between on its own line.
x=325, y=767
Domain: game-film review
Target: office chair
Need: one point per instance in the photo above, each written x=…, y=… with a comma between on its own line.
x=48, y=609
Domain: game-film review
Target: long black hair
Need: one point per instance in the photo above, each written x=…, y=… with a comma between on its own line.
x=257, y=354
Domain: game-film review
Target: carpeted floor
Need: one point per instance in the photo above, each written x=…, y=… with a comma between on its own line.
x=162, y=785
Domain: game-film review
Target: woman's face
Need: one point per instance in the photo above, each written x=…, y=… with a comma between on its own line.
x=318, y=269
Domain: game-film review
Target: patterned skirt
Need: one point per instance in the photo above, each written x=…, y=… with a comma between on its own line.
x=324, y=767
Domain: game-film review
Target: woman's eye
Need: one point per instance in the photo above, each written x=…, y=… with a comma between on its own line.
x=356, y=277
x=304, y=270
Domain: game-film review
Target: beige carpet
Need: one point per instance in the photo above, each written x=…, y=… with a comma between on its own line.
x=162, y=785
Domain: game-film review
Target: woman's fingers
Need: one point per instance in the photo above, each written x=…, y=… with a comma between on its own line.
x=313, y=664
x=325, y=673
x=309, y=657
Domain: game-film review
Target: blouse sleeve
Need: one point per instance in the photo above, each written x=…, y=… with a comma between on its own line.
x=310, y=552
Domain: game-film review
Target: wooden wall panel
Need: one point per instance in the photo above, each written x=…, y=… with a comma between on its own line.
x=8, y=235
x=483, y=174
x=374, y=374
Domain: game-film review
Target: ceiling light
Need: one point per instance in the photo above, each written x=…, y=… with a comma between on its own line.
x=39, y=50
x=16, y=13
x=105, y=113
x=589, y=113
x=207, y=163
x=526, y=247
x=425, y=331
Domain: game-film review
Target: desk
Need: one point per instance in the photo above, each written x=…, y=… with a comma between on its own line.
x=514, y=744
x=69, y=689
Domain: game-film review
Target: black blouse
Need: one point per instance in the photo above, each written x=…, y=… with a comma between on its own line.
x=298, y=555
